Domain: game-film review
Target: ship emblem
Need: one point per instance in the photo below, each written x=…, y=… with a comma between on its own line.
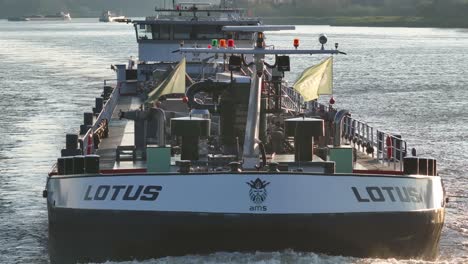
x=258, y=192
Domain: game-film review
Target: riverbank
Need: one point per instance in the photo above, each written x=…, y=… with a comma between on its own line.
x=356, y=21
x=369, y=21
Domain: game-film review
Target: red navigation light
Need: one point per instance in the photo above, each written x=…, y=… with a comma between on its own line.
x=296, y=43
x=222, y=43
x=332, y=101
x=230, y=43
x=209, y=46
x=185, y=99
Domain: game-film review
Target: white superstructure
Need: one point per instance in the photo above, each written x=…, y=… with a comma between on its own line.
x=108, y=16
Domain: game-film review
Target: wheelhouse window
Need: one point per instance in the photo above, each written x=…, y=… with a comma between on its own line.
x=208, y=32
x=244, y=36
x=192, y=32
x=144, y=32
x=162, y=32
x=183, y=32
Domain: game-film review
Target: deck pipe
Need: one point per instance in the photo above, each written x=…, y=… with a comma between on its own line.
x=150, y=123
x=263, y=120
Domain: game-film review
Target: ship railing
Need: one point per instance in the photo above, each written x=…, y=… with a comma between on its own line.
x=289, y=103
x=105, y=114
x=290, y=99
x=110, y=82
x=386, y=148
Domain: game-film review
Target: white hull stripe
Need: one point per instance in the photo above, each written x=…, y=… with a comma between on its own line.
x=247, y=193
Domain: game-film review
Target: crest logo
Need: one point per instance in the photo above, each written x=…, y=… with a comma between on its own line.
x=258, y=192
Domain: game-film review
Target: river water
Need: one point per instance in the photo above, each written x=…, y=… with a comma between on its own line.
x=408, y=81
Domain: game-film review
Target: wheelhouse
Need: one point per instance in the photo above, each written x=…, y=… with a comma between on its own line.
x=194, y=31
x=157, y=39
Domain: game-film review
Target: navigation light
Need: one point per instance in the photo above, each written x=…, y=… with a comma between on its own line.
x=296, y=43
x=222, y=43
x=230, y=43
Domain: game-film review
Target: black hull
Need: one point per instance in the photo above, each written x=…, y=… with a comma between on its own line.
x=92, y=235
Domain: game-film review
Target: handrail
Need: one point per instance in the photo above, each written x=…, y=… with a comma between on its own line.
x=291, y=99
x=109, y=80
x=385, y=147
x=105, y=114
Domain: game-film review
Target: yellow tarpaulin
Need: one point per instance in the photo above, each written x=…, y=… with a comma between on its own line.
x=174, y=83
x=316, y=80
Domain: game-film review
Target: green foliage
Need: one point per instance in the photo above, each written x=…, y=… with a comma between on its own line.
x=417, y=12
x=425, y=8
x=77, y=8
x=421, y=13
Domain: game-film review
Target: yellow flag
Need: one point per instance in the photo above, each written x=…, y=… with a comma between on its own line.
x=316, y=80
x=174, y=83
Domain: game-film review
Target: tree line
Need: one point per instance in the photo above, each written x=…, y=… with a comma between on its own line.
x=440, y=9
x=421, y=8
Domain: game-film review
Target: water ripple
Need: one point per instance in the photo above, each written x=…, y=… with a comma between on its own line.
x=401, y=80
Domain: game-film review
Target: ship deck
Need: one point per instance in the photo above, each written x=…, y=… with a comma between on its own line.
x=121, y=133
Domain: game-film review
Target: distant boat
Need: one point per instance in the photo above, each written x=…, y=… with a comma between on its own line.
x=17, y=19
x=108, y=16
x=59, y=16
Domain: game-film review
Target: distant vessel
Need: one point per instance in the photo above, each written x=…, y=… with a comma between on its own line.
x=108, y=16
x=58, y=16
x=16, y=19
